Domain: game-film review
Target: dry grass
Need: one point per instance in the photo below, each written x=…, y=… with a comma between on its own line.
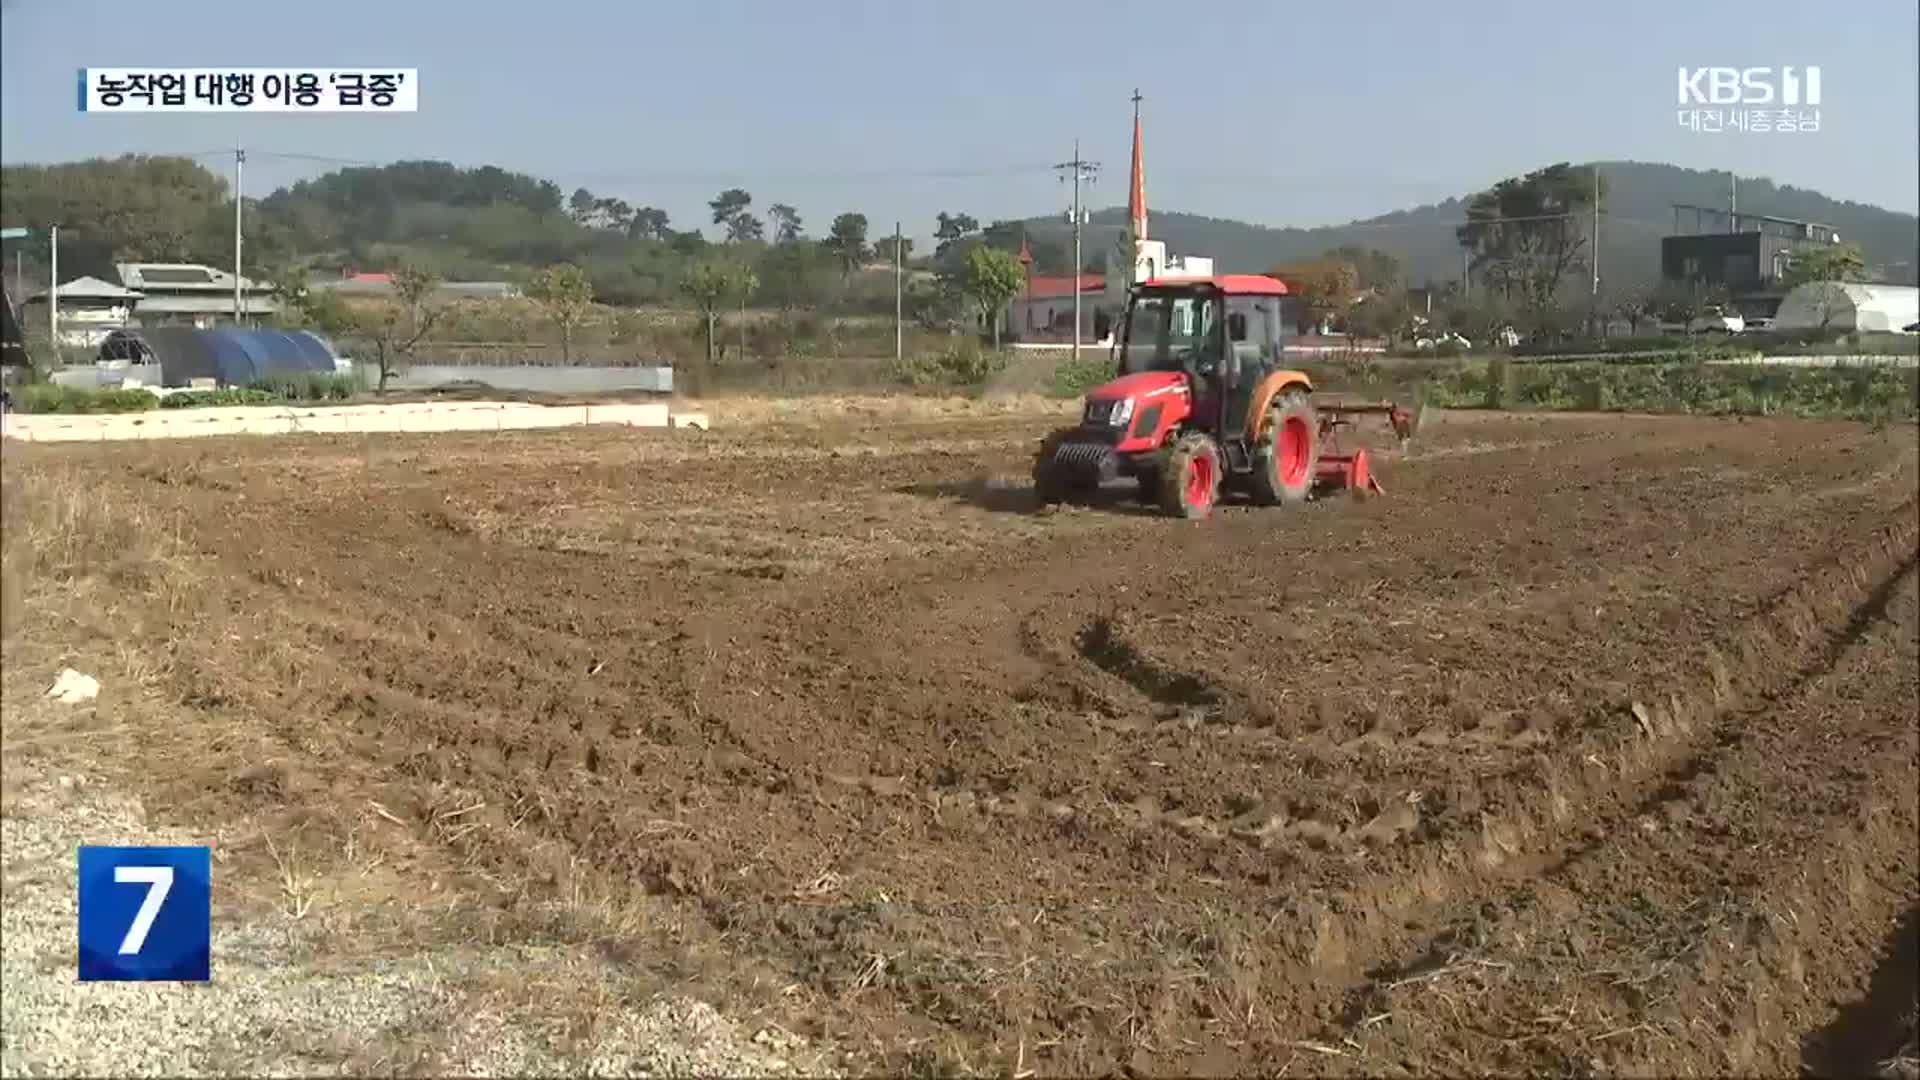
x=1905, y=1063
x=68, y=539
x=88, y=580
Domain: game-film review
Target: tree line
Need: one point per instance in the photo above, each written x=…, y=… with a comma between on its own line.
x=473, y=224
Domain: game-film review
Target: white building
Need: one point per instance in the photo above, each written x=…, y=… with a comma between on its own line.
x=90, y=309
x=188, y=294
x=1832, y=305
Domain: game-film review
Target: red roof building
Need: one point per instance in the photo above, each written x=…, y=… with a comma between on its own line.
x=1045, y=307
x=1049, y=286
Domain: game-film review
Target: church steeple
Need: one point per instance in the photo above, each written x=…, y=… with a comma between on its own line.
x=1137, y=188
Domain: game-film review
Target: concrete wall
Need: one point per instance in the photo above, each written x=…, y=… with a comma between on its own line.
x=556, y=379
x=109, y=375
x=286, y=420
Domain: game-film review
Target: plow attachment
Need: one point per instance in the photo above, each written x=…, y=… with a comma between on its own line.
x=1342, y=469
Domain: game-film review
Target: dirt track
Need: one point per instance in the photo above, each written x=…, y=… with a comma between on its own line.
x=1590, y=747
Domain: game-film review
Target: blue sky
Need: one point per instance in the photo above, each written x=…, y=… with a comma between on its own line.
x=1284, y=114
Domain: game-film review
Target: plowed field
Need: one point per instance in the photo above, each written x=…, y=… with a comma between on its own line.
x=1590, y=747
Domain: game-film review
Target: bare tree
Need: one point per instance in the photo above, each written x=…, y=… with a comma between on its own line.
x=394, y=329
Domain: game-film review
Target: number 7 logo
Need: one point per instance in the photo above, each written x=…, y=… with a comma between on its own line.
x=161, y=932
x=159, y=881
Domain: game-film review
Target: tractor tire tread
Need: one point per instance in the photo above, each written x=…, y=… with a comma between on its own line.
x=1265, y=484
x=1173, y=477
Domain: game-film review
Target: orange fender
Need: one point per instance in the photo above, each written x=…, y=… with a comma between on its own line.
x=1275, y=384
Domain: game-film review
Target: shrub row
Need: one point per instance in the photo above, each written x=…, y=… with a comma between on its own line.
x=1719, y=346
x=193, y=399
x=290, y=387
x=964, y=363
x=1860, y=393
x=54, y=398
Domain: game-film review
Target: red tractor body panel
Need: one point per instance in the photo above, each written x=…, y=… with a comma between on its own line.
x=1232, y=284
x=1139, y=384
x=1157, y=402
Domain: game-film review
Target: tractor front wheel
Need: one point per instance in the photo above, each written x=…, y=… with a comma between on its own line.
x=1288, y=453
x=1190, y=480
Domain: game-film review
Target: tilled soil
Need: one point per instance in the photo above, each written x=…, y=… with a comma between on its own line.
x=1589, y=747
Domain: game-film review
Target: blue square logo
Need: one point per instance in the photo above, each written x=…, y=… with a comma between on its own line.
x=146, y=913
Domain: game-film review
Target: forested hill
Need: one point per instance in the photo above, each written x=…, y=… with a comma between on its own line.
x=1639, y=211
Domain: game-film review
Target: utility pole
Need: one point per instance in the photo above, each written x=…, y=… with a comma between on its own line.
x=53, y=289
x=1598, y=325
x=239, y=174
x=1080, y=170
x=1733, y=201
x=899, y=334
x=1595, y=243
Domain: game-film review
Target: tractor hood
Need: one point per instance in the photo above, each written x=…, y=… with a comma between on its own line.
x=1140, y=384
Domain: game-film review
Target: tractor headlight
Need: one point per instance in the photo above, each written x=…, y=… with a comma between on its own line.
x=1121, y=413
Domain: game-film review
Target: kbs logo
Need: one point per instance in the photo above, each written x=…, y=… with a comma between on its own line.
x=1717, y=100
x=1750, y=86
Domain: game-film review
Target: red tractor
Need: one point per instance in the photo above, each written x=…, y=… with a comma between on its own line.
x=1203, y=403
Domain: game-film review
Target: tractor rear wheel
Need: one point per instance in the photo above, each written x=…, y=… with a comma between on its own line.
x=1190, y=480
x=1286, y=457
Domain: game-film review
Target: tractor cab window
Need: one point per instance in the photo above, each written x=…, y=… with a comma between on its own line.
x=1170, y=332
x=1253, y=329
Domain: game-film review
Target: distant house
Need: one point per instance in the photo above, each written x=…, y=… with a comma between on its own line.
x=90, y=309
x=1745, y=254
x=372, y=284
x=1045, y=306
x=187, y=294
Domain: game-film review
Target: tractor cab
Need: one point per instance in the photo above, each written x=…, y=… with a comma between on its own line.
x=1223, y=336
x=1201, y=402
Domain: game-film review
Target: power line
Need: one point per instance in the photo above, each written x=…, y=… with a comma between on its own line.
x=669, y=176
x=1412, y=224
x=320, y=159
x=1294, y=181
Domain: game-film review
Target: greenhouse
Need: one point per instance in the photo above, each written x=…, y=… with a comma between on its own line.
x=1833, y=305
x=236, y=357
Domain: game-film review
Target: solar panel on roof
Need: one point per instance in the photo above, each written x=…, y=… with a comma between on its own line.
x=175, y=275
